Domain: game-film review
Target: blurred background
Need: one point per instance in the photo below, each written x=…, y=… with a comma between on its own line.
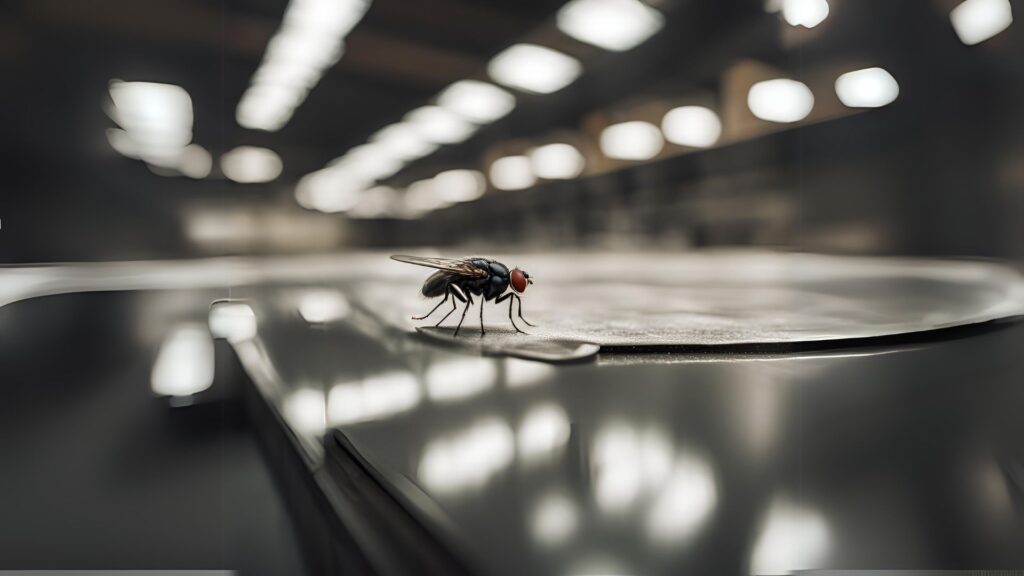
x=181, y=128
x=167, y=129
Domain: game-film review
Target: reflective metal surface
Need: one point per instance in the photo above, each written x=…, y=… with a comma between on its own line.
x=865, y=458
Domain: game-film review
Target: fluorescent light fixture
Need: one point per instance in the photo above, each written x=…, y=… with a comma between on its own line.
x=978, y=20
x=534, y=68
x=615, y=25
x=460, y=185
x=423, y=196
x=251, y=164
x=184, y=365
x=780, y=100
x=477, y=101
x=403, y=141
x=512, y=173
x=558, y=161
x=310, y=40
x=156, y=121
x=377, y=202
x=436, y=124
x=370, y=162
x=634, y=140
x=329, y=190
x=867, y=88
x=806, y=13
x=195, y=161
x=694, y=126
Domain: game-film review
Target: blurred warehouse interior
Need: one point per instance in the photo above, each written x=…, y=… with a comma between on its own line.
x=191, y=127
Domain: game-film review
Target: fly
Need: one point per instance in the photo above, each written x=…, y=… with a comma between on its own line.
x=462, y=278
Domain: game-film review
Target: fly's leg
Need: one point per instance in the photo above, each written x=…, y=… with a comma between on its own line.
x=527, y=322
x=427, y=315
x=469, y=302
x=453, y=291
x=510, y=301
x=482, y=302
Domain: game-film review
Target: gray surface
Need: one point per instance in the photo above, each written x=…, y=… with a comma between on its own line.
x=885, y=458
x=727, y=298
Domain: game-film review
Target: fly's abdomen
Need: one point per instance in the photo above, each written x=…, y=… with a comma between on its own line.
x=436, y=283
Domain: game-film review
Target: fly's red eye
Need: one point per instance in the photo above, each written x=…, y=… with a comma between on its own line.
x=518, y=280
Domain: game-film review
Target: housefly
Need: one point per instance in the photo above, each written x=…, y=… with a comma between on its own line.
x=462, y=278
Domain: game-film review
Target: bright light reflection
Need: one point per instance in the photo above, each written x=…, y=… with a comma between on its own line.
x=543, y=431
x=305, y=411
x=554, y=520
x=184, y=365
x=558, y=161
x=512, y=173
x=780, y=100
x=477, y=101
x=616, y=25
x=375, y=397
x=322, y=306
x=806, y=13
x=457, y=379
x=195, y=162
x=978, y=20
x=251, y=164
x=867, y=88
x=694, y=126
x=534, y=68
x=469, y=459
x=460, y=185
x=234, y=321
x=791, y=538
x=626, y=462
x=684, y=502
x=522, y=373
x=436, y=124
x=631, y=141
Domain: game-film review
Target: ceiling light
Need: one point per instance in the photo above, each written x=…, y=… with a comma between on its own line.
x=251, y=164
x=422, y=196
x=616, y=25
x=310, y=40
x=460, y=185
x=694, y=126
x=631, y=141
x=156, y=121
x=195, y=161
x=512, y=173
x=867, y=88
x=438, y=125
x=477, y=101
x=370, y=161
x=402, y=141
x=806, y=13
x=978, y=20
x=377, y=202
x=534, y=68
x=557, y=161
x=780, y=100
x=328, y=190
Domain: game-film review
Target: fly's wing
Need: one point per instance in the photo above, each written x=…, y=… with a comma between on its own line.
x=451, y=265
